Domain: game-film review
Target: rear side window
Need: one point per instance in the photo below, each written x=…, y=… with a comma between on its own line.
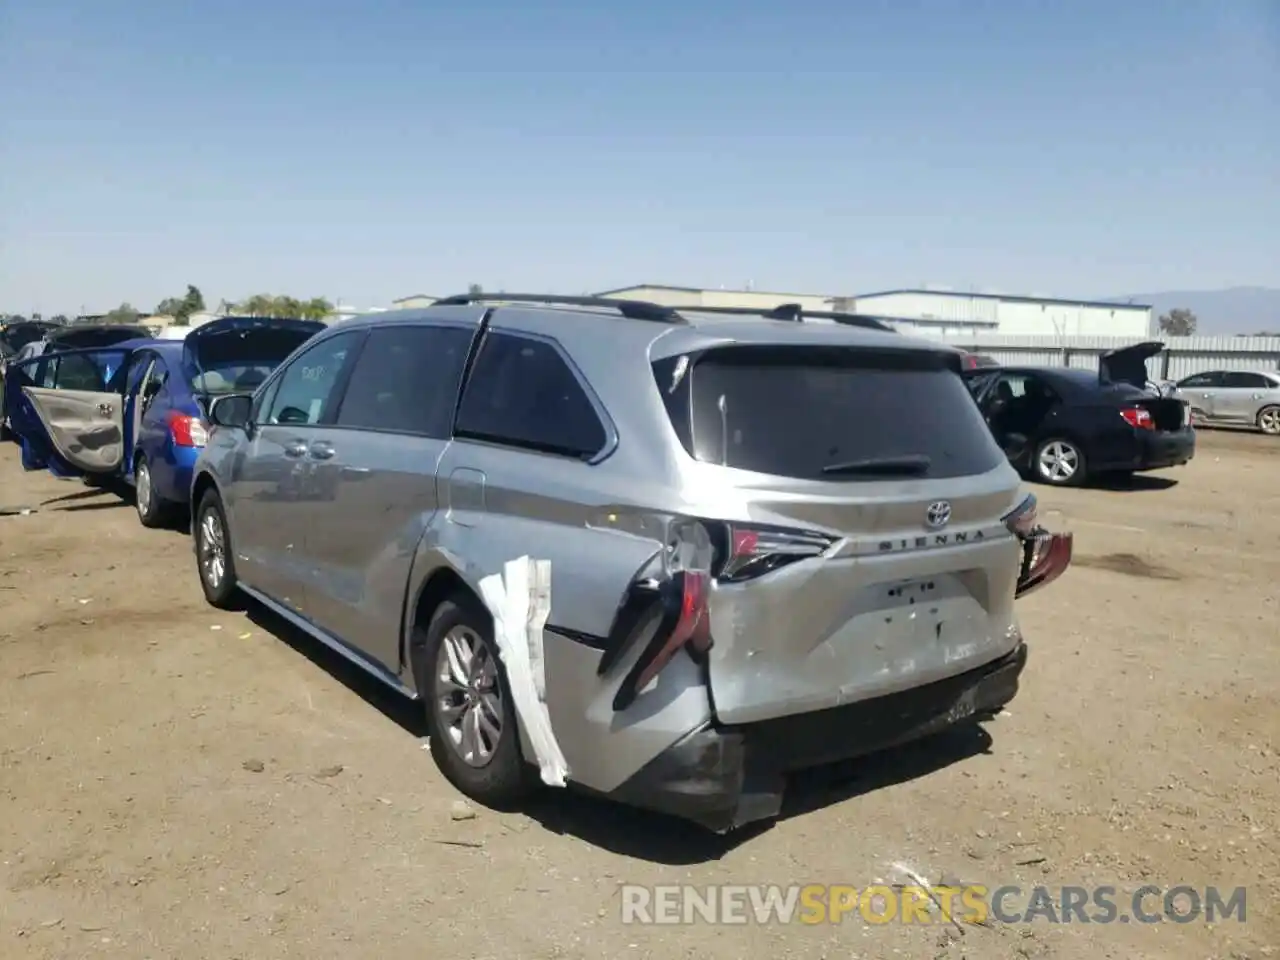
x=803, y=412
x=523, y=393
x=1242, y=380
x=406, y=380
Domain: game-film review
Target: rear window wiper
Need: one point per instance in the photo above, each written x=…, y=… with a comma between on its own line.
x=909, y=465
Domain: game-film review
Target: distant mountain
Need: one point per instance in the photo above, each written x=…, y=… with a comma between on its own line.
x=1219, y=312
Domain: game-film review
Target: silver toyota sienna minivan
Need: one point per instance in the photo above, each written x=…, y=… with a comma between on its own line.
x=772, y=541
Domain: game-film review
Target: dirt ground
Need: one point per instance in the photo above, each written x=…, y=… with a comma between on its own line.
x=176, y=782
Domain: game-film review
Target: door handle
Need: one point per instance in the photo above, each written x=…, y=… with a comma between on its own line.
x=295, y=448
x=105, y=409
x=322, y=450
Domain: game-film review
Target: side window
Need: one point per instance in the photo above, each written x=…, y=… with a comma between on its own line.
x=79, y=371
x=978, y=383
x=523, y=393
x=406, y=379
x=1202, y=380
x=1247, y=381
x=305, y=389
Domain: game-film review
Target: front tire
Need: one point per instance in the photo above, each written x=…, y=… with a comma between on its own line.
x=1269, y=420
x=215, y=560
x=1060, y=463
x=471, y=718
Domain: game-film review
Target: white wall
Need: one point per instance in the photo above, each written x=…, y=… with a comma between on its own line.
x=958, y=313
x=682, y=297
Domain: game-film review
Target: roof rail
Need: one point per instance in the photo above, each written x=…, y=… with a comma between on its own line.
x=631, y=309
x=797, y=314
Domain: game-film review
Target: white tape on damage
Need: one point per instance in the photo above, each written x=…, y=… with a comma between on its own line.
x=520, y=601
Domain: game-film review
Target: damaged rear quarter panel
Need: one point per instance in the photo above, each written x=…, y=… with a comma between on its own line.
x=487, y=517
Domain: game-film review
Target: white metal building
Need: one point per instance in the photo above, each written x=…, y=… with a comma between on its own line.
x=695, y=297
x=946, y=312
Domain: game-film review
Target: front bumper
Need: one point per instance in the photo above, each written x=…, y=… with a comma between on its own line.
x=1158, y=449
x=724, y=777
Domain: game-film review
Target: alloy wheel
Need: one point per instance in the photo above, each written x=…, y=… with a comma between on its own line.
x=212, y=549
x=469, y=696
x=1269, y=420
x=1058, y=461
x=142, y=489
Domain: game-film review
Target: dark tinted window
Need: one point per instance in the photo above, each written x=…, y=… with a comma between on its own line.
x=1247, y=381
x=406, y=379
x=791, y=411
x=523, y=393
x=1202, y=380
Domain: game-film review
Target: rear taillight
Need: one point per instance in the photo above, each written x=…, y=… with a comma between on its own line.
x=187, y=431
x=1022, y=519
x=697, y=557
x=749, y=552
x=1045, y=555
x=1137, y=417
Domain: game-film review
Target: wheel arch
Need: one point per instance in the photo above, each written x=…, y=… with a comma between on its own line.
x=442, y=583
x=202, y=483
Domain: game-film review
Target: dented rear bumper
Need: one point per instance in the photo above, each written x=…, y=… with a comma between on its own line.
x=724, y=777
x=1045, y=557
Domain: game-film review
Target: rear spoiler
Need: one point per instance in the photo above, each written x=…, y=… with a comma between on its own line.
x=796, y=313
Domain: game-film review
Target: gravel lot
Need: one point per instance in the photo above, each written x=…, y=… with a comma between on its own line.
x=176, y=782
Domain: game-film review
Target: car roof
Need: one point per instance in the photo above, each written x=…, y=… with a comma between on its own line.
x=693, y=330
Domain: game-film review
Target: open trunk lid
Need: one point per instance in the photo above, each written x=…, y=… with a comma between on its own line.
x=859, y=505
x=1129, y=364
x=263, y=342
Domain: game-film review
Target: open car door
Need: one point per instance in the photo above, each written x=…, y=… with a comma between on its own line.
x=67, y=411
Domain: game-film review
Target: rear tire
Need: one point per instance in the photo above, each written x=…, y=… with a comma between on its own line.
x=1269, y=420
x=466, y=698
x=1059, y=462
x=215, y=560
x=152, y=511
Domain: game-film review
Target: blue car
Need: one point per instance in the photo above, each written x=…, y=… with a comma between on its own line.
x=137, y=411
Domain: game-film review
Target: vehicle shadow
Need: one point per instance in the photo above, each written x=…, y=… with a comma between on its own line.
x=640, y=834
x=666, y=840
x=1133, y=483
x=395, y=707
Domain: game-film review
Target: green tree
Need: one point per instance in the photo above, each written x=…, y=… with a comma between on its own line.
x=1179, y=322
x=124, y=314
x=475, y=289
x=59, y=318
x=181, y=308
x=258, y=305
x=192, y=302
x=317, y=308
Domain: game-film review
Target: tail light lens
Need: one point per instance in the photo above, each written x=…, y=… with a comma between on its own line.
x=187, y=431
x=1137, y=417
x=698, y=555
x=748, y=552
x=1045, y=555
x=1023, y=518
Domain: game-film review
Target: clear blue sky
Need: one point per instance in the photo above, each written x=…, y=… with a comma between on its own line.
x=377, y=149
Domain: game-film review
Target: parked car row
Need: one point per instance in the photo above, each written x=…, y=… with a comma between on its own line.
x=770, y=543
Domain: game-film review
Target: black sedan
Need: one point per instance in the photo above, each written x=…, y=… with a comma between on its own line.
x=1062, y=426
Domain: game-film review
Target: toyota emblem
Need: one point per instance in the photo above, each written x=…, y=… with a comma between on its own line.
x=938, y=515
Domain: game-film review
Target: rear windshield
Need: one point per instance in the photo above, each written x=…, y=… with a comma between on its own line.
x=231, y=378
x=802, y=412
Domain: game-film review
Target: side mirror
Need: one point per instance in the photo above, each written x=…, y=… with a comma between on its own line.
x=231, y=411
